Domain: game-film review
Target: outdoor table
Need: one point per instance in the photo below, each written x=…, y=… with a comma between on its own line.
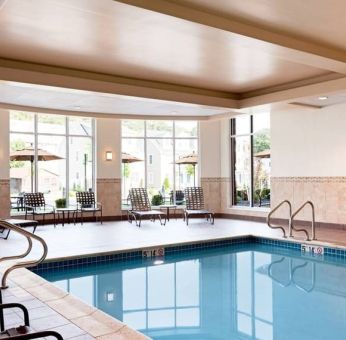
x=168, y=207
x=19, y=223
x=67, y=210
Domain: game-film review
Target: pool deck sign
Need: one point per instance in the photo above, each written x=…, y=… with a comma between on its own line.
x=153, y=252
x=312, y=249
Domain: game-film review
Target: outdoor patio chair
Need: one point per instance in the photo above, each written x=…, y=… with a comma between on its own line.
x=141, y=208
x=179, y=197
x=35, y=204
x=86, y=203
x=195, y=205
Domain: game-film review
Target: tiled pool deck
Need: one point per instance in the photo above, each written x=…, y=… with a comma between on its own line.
x=52, y=308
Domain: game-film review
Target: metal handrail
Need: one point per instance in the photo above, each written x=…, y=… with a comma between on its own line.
x=274, y=226
x=313, y=277
x=313, y=230
x=270, y=274
x=29, y=236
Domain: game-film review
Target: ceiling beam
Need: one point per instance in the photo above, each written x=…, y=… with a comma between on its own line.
x=25, y=72
x=280, y=45
x=320, y=88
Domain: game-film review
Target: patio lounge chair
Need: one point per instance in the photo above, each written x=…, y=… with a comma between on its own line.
x=140, y=207
x=195, y=204
x=86, y=203
x=179, y=197
x=35, y=204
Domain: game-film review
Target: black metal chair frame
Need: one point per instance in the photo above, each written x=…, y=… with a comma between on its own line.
x=19, y=223
x=21, y=332
x=86, y=203
x=35, y=204
x=141, y=207
x=195, y=205
x=179, y=197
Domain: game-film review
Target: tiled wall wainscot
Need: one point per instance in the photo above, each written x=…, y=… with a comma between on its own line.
x=327, y=193
x=212, y=192
x=109, y=194
x=5, y=204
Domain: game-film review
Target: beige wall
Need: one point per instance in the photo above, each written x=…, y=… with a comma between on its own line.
x=4, y=165
x=308, y=160
x=108, y=173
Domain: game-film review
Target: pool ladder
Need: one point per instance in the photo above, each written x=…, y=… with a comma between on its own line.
x=25, y=264
x=291, y=274
x=291, y=218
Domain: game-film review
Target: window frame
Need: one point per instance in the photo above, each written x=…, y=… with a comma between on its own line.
x=36, y=134
x=233, y=137
x=174, y=139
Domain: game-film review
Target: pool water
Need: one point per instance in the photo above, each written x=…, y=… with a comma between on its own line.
x=250, y=291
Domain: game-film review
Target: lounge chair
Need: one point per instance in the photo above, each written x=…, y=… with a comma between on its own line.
x=179, y=197
x=22, y=332
x=195, y=204
x=140, y=207
x=35, y=204
x=86, y=203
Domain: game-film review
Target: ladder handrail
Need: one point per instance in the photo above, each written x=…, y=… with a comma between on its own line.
x=313, y=277
x=29, y=236
x=313, y=231
x=274, y=226
x=270, y=274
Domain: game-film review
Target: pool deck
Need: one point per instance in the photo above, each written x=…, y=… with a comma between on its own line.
x=52, y=308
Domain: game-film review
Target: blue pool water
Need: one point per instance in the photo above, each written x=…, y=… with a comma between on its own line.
x=248, y=291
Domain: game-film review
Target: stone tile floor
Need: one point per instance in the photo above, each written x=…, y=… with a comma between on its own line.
x=47, y=304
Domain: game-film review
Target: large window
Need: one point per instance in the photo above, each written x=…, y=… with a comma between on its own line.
x=52, y=154
x=161, y=156
x=250, y=148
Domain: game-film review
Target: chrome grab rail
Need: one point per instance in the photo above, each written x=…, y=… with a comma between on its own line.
x=274, y=226
x=313, y=231
x=291, y=273
x=313, y=277
x=29, y=236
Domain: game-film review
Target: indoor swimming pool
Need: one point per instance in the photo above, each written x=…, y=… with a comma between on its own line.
x=248, y=290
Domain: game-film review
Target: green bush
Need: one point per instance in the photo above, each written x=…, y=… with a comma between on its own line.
x=60, y=203
x=157, y=200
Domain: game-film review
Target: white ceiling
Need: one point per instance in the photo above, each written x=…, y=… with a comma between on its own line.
x=47, y=97
x=234, y=50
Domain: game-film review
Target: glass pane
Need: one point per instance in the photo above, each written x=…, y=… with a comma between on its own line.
x=161, y=319
x=160, y=170
x=242, y=171
x=159, y=277
x=188, y=317
x=132, y=128
x=81, y=163
x=52, y=167
x=136, y=320
x=134, y=289
x=187, y=290
x=244, y=324
x=186, y=159
x=159, y=128
x=244, y=288
x=132, y=166
x=83, y=288
x=242, y=125
x=261, y=161
x=22, y=178
x=51, y=124
x=81, y=126
x=22, y=121
x=186, y=129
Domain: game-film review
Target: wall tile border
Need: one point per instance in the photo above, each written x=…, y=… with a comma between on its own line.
x=315, y=179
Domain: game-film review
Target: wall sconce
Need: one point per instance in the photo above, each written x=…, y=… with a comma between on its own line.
x=109, y=155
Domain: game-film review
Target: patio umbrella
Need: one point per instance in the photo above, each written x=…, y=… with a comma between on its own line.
x=263, y=154
x=126, y=158
x=190, y=159
x=28, y=154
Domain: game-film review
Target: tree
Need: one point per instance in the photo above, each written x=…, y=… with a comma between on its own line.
x=190, y=169
x=17, y=145
x=127, y=170
x=166, y=184
x=261, y=141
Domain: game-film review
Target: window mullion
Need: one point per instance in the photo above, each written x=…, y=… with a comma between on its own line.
x=251, y=164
